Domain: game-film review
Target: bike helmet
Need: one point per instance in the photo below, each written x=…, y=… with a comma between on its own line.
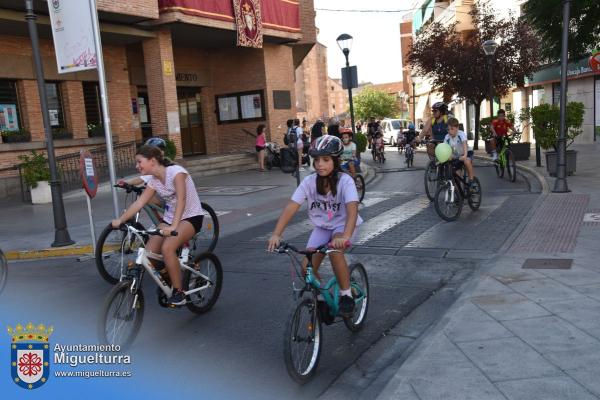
x=411, y=126
x=156, y=142
x=441, y=107
x=327, y=145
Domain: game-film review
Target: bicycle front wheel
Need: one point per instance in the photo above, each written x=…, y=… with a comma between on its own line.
x=121, y=316
x=207, y=238
x=474, y=198
x=114, y=251
x=431, y=180
x=3, y=271
x=359, y=181
x=209, y=276
x=511, y=166
x=359, y=285
x=499, y=165
x=302, y=341
x=448, y=202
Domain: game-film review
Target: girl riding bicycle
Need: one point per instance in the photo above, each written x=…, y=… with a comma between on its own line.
x=183, y=212
x=348, y=157
x=333, y=210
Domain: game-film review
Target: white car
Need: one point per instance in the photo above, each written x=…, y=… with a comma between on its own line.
x=390, y=129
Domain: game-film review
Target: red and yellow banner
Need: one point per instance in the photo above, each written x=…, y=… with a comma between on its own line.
x=282, y=15
x=249, y=23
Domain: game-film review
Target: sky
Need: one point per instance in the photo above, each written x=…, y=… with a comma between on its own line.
x=376, y=45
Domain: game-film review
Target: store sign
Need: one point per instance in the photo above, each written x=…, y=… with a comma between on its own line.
x=594, y=61
x=552, y=73
x=71, y=22
x=182, y=77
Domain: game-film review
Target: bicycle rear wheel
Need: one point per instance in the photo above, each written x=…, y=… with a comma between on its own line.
x=359, y=181
x=511, y=166
x=209, y=266
x=121, y=316
x=207, y=238
x=114, y=252
x=448, y=205
x=431, y=180
x=359, y=285
x=474, y=198
x=302, y=340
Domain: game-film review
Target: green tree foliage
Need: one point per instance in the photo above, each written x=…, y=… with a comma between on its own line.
x=361, y=142
x=170, y=150
x=374, y=103
x=546, y=123
x=546, y=18
x=454, y=62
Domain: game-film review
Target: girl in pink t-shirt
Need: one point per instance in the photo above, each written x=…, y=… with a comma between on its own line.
x=260, y=146
x=183, y=211
x=333, y=210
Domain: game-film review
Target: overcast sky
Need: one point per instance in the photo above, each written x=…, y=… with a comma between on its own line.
x=376, y=46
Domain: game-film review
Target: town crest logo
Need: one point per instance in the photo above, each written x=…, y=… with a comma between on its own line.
x=30, y=355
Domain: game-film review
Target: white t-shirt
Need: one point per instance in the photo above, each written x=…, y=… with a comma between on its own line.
x=457, y=143
x=328, y=211
x=167, y=192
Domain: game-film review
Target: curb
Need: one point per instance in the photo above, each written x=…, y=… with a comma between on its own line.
x=51, y=252
x=540, y=178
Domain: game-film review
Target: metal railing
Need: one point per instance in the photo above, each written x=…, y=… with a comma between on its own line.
x=68, y=167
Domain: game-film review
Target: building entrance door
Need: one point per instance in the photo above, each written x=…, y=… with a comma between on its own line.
x=190, y=121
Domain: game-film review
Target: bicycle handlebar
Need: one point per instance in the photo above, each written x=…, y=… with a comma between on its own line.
x=323, y=249
x=129, y=188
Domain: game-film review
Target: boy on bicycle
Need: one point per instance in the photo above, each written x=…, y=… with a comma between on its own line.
x=499, y=128
x=461, y=154
x=333, y=210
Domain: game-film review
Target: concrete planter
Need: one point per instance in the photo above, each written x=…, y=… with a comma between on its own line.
x=552, y=162
x=521, y=151
x=41, y=194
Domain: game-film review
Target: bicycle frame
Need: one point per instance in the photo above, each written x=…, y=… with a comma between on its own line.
x=143, y=261
x=456, y=181
x=502, y=154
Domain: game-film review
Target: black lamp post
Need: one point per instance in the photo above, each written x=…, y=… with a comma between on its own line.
x=489, y=47
x=414, y=110
x=344, y=42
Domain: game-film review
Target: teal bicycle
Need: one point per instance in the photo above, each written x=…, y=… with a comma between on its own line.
x=115, y=250
x=317, y=303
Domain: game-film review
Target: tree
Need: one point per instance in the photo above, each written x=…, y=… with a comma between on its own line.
x=374, y=103
x=546, y=18
x=455, y=63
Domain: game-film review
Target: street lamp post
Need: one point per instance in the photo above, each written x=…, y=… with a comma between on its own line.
x=560, y=185
x=414, y=110
x=489, y=47
x=344, y=42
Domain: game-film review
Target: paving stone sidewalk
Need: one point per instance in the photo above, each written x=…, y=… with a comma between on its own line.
x=523, y=333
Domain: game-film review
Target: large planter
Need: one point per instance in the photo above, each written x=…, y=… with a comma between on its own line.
x=41, y=194
x=552, y=162
x=521, y=151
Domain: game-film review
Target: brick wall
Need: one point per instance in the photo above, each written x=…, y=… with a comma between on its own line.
x=141, y=8
x=73, y=104
x=29, y=100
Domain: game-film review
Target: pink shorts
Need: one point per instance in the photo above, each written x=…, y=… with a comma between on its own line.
x=320, y=236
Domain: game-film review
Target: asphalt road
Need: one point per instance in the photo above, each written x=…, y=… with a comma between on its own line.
x=409, y=254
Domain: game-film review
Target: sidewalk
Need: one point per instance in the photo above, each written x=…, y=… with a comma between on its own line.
x=523, y=328
x=28, y=230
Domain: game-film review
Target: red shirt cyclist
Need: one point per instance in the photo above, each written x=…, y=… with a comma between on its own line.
x=499, y=127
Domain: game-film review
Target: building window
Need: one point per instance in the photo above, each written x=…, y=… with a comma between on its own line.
x=93, y=108
x=240, y=107
x=10, y=113
x=55, y=108
x=556, y=93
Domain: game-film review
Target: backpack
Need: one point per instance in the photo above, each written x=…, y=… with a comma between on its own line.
x=290, y=137
x=289, y=160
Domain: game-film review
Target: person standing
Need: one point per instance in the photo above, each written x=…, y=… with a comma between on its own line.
x=261, y=143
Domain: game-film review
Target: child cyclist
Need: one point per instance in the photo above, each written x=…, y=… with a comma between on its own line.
x=348, y=157
x=333, y=210
x=460, y=150
x=183, y=211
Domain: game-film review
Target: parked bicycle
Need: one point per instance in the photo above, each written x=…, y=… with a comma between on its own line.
x=303, y=338
x=123, y=310
x=506, y=160
x=113, y=252
x=452, y=190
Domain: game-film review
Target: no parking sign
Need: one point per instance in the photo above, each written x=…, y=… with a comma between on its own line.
x=88, y=173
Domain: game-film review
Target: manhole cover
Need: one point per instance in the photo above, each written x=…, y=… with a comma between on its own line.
x=548, y=263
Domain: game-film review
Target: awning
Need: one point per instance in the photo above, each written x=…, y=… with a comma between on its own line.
x=421, y=104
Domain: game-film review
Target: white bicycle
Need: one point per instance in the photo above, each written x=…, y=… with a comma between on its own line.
x=123, y=311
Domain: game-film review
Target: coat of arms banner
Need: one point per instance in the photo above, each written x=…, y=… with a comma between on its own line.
x=248, y=20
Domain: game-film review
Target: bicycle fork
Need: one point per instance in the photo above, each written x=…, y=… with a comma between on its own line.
x=450, y=196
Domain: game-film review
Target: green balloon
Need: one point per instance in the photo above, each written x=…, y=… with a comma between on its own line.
x=443, y=151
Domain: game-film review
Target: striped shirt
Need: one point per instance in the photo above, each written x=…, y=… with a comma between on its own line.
x=167, y=192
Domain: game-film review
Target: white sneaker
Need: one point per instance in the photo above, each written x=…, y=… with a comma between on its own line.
x=301, y=169
x=494, y=156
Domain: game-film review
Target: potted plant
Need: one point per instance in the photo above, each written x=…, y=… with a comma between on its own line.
x=485, y=133
x=546, y=124
x=36, y=175
x=521, y=150
x=171, y=150
x=18, y=136
x=361, y=145
x=95, y=130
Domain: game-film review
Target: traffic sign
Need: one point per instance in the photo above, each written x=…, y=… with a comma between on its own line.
x=87, y=171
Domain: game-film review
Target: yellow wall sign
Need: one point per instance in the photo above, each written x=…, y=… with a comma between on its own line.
x=168, y=67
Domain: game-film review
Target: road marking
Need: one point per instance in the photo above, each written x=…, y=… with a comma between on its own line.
x=386, y=221
x=219, y=213
x=591, y=217
x=300, y=228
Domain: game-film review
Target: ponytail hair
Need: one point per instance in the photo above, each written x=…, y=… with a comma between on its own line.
x=150, y=152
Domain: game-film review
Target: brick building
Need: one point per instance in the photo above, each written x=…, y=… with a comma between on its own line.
x=173, y=69
x=311, y=85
